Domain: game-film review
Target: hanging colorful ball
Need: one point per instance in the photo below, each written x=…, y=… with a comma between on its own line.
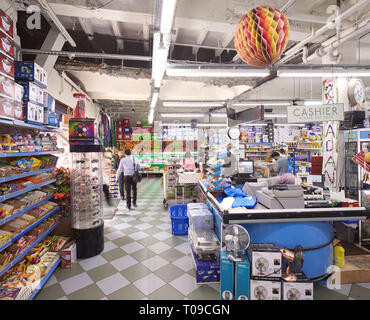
x=367, y=157
x=262, y=36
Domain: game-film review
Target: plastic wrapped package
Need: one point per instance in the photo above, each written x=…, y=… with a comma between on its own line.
x=201, y=219
x=199, y=205
x=204, y=241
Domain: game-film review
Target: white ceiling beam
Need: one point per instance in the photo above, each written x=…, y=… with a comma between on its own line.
x=117, y=34
x=86, y=26
x=200, y=40
x=224, y=43
x=146, y=36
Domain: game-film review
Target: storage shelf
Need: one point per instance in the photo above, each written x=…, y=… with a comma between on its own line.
x=27, y=230
x=44, y=279
x=22, y=255
x=13, y=216
x=25, y=154
x=14, y=194
x=256, y=143
x=22, y=124
x=25, y=174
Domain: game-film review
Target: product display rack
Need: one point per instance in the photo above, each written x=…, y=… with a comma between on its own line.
x=256, y=151
x=25, y=154
x=21, y=124
x=25, y=174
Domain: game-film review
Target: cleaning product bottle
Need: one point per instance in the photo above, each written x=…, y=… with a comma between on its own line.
x=339, y=255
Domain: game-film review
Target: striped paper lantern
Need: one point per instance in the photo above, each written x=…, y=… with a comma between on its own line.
x=261, y=36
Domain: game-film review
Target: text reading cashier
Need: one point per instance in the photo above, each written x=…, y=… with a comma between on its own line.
x=281, y=164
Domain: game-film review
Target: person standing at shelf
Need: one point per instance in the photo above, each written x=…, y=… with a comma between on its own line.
x=121, y=183
x=281, y=164
x=128, y=165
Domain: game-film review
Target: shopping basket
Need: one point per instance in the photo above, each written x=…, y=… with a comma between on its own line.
x=179, y=219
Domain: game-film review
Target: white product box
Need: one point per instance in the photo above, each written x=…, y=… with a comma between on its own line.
x=34, y=113
x=297, y=291
x=265, y=259
x=265, y=290
x=18, y=92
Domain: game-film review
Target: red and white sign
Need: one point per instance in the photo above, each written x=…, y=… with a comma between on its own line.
x=360, y=160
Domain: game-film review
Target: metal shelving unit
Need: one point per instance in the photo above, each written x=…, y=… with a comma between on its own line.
x=25, y=174
x=25, y=154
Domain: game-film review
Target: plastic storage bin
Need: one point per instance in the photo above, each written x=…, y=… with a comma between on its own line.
x=179, y=219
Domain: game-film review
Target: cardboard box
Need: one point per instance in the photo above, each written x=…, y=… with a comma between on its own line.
x=32, y=92
x=242, y=273
x=18, y=111
x=206, y=271
x=18, y=92
x=227, y=277
x=127, y=130
x=49, y=102
x=6, y=66
x=6, y=45
x=127, y=137
x=51, y=118
x=126, y=122
x=68, y=255
x=6, y=87
x=265, y=290
x=33, y=113
x=265, y=259
x=30, y=71
x=6, y=108
x=302, y=289
x=6, y=23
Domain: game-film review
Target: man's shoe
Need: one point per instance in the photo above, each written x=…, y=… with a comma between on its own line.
x=134, y=205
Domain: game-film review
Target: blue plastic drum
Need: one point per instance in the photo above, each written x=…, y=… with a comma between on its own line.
x=305, y=234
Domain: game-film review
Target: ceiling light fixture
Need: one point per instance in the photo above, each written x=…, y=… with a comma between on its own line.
x=168, y=13
x=204, y=125
x=213, y=72
x=312, y=102
x=219, y=115
x=261, y=102
x=195, y=104
x=154, y=99
x=274, y=115
x=183, y=115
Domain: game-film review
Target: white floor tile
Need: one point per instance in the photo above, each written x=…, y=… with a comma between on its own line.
x=63, y=298
x=104, y=298
x=165, y=219
x=143, y=226
x=108, y=246
x=215, y=286
x=114, y=235
x=124, y=263
x=151, y=213
x=147, y=219
x=159, y=247
x=132, y=247
x=162, y=235
x=185, y=284
x=112, y=283
x=154, y=263
x=184, y=248
x=138, y=235
x=134, y=212
x=145, y=298
x=364, y=284
x=75, y=283
x=127, y=219
x=344, y=289
x=184, y=263
x=52, y=280
x=91, y=263
x=122, y=226
x=164, y=226
x=149, y=284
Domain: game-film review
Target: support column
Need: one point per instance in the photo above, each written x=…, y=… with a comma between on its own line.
x=54, y=41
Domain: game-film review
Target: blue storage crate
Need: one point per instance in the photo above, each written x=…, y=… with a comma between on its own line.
x=179, y=219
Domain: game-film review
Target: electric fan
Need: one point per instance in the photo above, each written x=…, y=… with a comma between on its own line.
x=295, y=261
x=260, y=293
x=293, y=294
x=237, y=240
x=261, y=265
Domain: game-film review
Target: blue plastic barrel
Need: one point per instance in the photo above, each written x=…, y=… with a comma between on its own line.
x=305, y=234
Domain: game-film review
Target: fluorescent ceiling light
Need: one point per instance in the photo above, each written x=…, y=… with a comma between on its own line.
x=253, y=125
x=183, y=115
x=221, y=72
x=168, y=13
x=219, y=115
x=176, y=124
x=203, y=125
x=154, y=100
x=274, y=115
x=193, y=103
x=261, y=102
x=310, y=73
x=312, y=102
x=288, y=125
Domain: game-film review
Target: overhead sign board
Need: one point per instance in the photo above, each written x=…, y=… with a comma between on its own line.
x=316, y=113
x=245, y=116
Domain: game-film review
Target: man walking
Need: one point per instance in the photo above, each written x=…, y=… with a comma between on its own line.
x=128, y=166
x=121, y=155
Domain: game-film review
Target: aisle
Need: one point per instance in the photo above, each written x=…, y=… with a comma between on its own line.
x=143, y=260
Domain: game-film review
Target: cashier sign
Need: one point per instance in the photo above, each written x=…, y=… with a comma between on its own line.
x=318, y=113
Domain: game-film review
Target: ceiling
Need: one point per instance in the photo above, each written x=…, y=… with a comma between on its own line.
x=203, y=33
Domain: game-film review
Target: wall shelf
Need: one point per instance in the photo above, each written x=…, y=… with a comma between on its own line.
x=25, y=174
x=25, y=154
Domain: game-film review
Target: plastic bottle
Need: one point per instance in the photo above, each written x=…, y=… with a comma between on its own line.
x=339, y=255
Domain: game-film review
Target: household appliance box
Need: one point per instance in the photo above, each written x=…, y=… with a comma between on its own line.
x=68, y=255
x=6, y=66
x=302, y=289
x=32, y=92
x=49, y=102
x=6, y=23
x=6, y=44
x=51, y=118
x=18, y=92
x=18, y=111
x=242, y=282
x=30, y=71
x=127, y=137
x=33, y=113
x=6, y=87
x=227, y=277
x=6, y=108
x=265, y=289
x=206, y=271
x=266, y=260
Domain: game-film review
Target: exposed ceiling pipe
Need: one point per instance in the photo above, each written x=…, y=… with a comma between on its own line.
x=72, y=55
x=286, y=6
x=346, y=14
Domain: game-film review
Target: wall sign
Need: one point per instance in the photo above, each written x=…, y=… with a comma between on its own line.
x=318, y=113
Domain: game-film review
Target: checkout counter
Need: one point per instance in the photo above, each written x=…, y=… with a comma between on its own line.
x=311, y=228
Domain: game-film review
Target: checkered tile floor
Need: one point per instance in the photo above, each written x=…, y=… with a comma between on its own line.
x=143, y=260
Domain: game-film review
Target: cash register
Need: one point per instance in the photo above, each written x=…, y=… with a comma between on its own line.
x=245, y=173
